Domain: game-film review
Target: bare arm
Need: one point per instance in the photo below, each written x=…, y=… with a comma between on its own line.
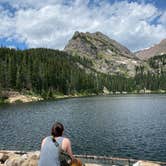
x=66, y=146
x=43, y=142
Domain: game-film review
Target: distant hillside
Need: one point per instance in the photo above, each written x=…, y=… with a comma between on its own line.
x=107, y=55
x=91, y=64
x=50, y=72
x=158, y=63
x=157, y=49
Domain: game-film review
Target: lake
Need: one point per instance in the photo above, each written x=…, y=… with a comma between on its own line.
x=130, y=126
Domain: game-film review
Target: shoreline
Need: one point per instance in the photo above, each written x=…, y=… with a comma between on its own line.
x=24, y=98
x=9, y=156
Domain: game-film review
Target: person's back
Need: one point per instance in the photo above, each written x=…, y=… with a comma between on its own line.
x=49, y=154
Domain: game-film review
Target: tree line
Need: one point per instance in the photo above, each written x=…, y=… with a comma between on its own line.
x=154, y=79
x=47, y=72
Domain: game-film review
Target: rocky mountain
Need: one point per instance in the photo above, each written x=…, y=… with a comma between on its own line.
x=157, y=49
x=107, y=55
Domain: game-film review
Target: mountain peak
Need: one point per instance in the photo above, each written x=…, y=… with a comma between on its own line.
x=157, y=49
x=106, y=55
x=96, y=43
x=163, y=42
x=81, y=34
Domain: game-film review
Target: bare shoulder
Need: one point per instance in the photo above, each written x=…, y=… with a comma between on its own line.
x=66, y=145
x=43, y=141
x=66, y=141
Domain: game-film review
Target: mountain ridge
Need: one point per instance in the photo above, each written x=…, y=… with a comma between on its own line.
x=157, y=49
x=103, y=41
x=107, y=55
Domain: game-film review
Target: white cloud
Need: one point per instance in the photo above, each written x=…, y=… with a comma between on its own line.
x=52, y=23
x=7, y=27
x=31, y=3
x=163, y=19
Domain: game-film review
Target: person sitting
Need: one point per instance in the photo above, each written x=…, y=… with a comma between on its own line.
x=49, y=154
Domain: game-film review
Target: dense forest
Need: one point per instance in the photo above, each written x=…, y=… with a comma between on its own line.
x=48, y=72
x=154, y=79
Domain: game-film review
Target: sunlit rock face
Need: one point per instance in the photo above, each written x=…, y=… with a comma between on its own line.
x=16, y=158
x=157, y=49
x=107, y=55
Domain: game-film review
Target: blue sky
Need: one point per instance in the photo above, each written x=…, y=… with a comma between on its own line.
x=137, y=24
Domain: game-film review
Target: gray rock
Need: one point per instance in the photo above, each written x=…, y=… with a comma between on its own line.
x=3, y=157
x=107, y=55
x=29, y=159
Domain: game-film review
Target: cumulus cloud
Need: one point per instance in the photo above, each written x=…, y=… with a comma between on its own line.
x=52, y=23
x=7, y=27
x=17, y=4
x=162, y=19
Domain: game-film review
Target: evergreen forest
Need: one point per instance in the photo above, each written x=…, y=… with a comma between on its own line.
x=47, y=72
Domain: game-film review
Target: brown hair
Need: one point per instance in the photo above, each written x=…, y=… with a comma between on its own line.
x=57, y=129
x=76, y=162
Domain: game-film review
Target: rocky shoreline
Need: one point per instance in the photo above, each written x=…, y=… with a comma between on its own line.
x=16, y=97
x=14, y=158
x=19, y=158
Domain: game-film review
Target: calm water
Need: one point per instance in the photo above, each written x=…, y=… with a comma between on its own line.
x=131, y=126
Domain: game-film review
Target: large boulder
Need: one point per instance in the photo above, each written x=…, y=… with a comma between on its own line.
x=145, y=163
x=14, y=160
x=3, y=157
x=29, y=159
